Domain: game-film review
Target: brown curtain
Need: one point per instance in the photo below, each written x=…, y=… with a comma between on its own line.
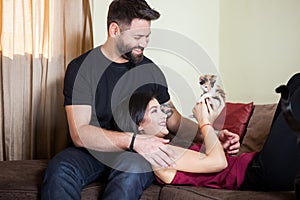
x=38, y=39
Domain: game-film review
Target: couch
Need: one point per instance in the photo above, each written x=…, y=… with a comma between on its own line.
x=22, y=179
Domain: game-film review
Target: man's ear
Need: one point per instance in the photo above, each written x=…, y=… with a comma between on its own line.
x=114, y=29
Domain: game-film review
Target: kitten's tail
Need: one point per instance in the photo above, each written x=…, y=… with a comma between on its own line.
x=286, y=107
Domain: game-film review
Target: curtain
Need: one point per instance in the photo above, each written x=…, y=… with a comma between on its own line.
x=38, y=40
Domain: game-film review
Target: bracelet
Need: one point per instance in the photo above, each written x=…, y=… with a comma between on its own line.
x=202, y=126
x=132, y=142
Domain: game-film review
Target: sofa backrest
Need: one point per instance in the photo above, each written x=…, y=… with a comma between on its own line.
x=258, y=127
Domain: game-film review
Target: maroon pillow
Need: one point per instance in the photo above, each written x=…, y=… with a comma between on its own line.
x=235, y=117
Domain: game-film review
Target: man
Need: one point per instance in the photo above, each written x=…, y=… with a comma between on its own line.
x=94, y=84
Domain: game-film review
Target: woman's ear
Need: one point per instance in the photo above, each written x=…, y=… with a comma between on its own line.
x=140, y=128
x=114, y=29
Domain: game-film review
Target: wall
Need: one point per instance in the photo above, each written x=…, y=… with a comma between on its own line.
x=253, y=44
x=259, y=47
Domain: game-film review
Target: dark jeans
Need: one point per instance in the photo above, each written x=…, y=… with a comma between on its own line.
x=276, y=166
x=74, y=168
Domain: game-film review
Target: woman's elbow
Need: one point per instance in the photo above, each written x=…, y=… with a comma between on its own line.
x=218, y=164
x=221, y=164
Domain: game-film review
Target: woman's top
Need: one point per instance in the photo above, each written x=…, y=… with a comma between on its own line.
x=230, y=178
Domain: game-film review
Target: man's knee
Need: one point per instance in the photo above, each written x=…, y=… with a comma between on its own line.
x=132, y=163
x=121, y=182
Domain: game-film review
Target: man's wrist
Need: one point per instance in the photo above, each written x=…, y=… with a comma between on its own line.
x=131, y=146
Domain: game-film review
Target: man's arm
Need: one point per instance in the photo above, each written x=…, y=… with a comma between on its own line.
x=92, y=137
x=152, y=148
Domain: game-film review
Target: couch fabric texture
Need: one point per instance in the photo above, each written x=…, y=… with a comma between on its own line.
x=22, y=179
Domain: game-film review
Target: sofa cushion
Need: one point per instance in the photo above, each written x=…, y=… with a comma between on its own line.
x=22, y=179
x=196, y=193
x=94, y=190
x=258, y=128
x=235, y=118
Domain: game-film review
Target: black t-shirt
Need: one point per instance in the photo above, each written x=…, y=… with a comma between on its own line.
x=92, y=79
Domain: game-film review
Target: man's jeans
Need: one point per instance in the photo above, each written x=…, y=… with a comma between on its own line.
x=74, y=168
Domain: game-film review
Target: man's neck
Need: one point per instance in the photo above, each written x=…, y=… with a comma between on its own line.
x=110, y=52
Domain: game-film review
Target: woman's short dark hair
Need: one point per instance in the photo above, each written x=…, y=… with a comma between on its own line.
x=124, y=11
x=130, y=112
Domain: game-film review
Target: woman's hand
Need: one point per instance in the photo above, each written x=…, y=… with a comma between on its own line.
x=202, y=112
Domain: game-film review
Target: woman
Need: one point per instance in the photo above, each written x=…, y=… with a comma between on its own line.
x=274, y=168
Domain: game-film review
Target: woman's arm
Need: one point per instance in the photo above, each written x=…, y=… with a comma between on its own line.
x=213, y=160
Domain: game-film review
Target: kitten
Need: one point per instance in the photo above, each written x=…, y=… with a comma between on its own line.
x=211, y=89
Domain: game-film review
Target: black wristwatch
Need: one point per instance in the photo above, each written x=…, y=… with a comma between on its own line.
x=132, y=142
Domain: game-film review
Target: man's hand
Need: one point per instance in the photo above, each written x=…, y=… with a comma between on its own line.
x=155, y=150
x=230, y=141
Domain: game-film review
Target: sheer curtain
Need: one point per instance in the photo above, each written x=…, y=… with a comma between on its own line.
x=38, y=39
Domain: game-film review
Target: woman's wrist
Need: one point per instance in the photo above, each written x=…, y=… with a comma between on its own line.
x=203, y=126
x=202, y=122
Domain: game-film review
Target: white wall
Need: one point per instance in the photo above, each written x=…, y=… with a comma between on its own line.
x=259, y=47
x=253, y=44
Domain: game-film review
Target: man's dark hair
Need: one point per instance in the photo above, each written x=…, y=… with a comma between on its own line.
x=123, y=12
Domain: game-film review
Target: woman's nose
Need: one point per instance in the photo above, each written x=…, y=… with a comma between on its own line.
x=163, y=115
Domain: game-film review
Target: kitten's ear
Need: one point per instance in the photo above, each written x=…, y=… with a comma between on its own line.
x=213, y=79
x=201, y=80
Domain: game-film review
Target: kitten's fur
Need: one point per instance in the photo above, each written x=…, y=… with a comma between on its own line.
x=211, y=89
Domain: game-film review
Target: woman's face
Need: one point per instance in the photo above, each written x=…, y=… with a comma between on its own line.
x=155, y=121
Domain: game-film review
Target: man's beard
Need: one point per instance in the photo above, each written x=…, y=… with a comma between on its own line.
x=127, y=53
x=133, y=58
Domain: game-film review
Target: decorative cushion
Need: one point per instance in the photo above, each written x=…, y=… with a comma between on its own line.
x=258, y=128
x=235, y=118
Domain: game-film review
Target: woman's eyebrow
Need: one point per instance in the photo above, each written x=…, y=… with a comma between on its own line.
x=153, y=107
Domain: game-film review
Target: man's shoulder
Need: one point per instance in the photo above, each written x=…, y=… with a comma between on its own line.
x=79, y=59
x=150, y=65
x=146, y=60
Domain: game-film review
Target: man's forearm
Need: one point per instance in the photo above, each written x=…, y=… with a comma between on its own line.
x=99, y=139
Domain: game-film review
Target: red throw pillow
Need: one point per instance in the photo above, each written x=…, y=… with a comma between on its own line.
x=235, y=118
